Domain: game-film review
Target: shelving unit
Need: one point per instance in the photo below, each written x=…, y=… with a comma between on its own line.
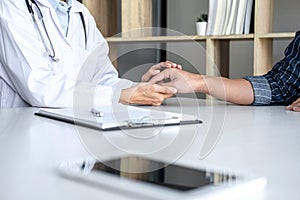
x=186, y=38
x=137, y=14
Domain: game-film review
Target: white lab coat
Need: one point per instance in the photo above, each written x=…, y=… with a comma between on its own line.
x=29, y=77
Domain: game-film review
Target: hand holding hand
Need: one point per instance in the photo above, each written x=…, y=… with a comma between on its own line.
x=294, y=106
x=183, y=81
x=146, y=94
x=155, y=69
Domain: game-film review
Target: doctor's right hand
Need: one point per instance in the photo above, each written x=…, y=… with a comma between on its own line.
x=146, y=94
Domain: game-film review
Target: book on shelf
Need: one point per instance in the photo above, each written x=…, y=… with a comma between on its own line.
x=249, y=17
x=227, y=17
x=211, y=16
x=230, y=26
x=240, y=18
x=220, y=16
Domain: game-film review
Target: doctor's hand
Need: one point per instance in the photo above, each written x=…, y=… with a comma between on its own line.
x=183, y=81
x=146, y=94
x=155, y=69
x=295, y=106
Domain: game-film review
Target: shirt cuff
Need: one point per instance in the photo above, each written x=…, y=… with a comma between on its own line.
x=107, y=95
x=117, y=90
x=262, y=90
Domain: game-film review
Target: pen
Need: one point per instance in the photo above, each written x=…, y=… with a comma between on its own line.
x=97, y=113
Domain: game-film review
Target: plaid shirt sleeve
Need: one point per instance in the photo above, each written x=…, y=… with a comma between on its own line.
x=281, y=85
x=262, y=90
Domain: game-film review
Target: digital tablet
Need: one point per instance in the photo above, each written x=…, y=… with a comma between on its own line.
x=154, y=179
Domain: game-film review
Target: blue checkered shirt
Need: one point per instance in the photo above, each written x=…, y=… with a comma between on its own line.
x=281, y=85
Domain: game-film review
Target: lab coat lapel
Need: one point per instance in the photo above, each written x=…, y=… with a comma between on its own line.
x=75, y=21
x=47, y=5
x=44, y=3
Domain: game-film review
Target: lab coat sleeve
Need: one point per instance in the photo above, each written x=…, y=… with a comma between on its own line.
x=98, y=68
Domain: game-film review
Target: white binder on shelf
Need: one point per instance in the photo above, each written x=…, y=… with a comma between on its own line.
x=249, y=11
x=240, y=18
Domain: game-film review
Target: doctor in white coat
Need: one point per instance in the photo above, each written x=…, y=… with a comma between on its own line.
x=43, y=44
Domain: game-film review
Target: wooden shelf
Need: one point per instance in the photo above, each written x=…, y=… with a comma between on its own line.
x=277, y=35
x=156, y=39
x=232, y=37
x=187, y=38
x=184, y=38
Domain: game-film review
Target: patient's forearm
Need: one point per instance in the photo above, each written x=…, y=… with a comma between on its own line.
x=237, y=91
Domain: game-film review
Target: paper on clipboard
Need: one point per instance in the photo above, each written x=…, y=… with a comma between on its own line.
x=118, y=117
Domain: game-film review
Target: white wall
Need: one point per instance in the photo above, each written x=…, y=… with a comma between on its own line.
x=183, y=13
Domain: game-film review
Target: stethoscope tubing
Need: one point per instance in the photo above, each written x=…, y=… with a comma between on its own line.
x=51, y=53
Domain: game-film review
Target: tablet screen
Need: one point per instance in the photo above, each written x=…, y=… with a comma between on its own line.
x=172, y=176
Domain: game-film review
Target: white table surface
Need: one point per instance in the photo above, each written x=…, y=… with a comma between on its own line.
x=261, y=140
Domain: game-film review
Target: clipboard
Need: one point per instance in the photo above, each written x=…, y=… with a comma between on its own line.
x=118, y=117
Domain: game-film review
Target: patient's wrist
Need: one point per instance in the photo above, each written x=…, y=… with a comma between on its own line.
x=200, y=83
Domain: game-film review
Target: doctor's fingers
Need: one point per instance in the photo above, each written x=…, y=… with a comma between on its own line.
x=181, y=86
x=150, y=94
x=173, y=65
x=157, y=94
x=166, y=75
x=155, y=69
x=159, y=98
x=182, y=81
x=155, y=88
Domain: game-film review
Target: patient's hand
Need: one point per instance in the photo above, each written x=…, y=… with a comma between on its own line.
x=294, y=106
x=155, y=69
x=183, y=81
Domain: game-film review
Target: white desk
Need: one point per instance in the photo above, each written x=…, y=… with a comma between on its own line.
x=262, y=140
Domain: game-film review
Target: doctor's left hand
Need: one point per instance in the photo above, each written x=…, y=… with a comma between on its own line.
x=156, y=69
x=146, y=94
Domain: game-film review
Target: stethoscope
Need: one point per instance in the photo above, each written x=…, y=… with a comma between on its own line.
x=50, y=52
